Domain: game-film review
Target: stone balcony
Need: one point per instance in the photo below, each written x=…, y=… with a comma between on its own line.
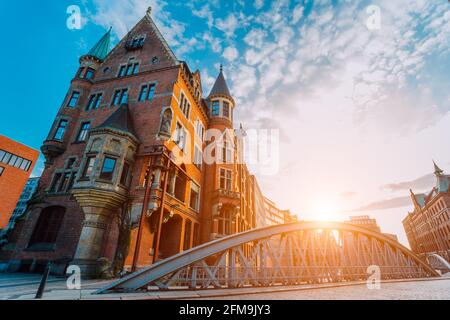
x=52, y=149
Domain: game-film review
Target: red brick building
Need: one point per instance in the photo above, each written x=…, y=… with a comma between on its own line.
x=16, y=164
x=428, y=225
x=128, y=164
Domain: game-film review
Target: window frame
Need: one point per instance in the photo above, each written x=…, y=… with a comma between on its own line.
x=228, y=180
x=197, y=207
x=60, y=127
x=213, y=113
x=71, y=99
x=101, y=173
x=88, y=166
x=83, y=131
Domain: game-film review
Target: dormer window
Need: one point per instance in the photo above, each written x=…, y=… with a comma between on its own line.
x=135, y=43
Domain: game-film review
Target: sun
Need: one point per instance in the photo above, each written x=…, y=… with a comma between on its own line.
x=325, y=212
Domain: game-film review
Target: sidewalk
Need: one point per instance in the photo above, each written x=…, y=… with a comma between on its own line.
x=189, y=295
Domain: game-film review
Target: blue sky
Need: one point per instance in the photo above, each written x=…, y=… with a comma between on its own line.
x=361, y=112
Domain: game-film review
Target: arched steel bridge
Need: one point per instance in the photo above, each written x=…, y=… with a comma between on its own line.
x=303, y=252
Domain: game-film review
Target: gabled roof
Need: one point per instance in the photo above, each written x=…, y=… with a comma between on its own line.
x=120, y=120
x=101, y=48
x=220, y=88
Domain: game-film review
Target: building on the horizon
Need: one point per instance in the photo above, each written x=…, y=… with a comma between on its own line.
x=274, y=215
x=428, y=225
x=128, y=142
x=366, y=222
x=16, y=164
x=371, y=224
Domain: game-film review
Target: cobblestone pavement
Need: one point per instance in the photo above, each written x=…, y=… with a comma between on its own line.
x=24, y=286
x=419, y=290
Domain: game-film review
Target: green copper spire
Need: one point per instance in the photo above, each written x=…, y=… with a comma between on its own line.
x=101, y=49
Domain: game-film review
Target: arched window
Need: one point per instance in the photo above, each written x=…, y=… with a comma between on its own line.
x=48, y=226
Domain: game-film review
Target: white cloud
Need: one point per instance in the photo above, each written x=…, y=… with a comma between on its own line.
x=228, y=25
x=230, y=53
x=258, y=4
x=297, y=13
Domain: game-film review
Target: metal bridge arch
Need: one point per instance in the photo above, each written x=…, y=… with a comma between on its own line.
x=437, y=262
x=298, y=252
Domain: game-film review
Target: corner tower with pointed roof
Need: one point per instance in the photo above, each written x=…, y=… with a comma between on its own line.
x=221, y=103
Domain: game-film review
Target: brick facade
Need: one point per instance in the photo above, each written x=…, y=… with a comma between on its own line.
x=12, y=177
x=178, y=203
x=428, y=225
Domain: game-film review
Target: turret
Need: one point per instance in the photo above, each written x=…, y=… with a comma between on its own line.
x=221, y=103
x=90, y=62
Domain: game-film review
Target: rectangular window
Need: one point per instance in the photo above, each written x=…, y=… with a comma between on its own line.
x=1, y=170
x=124, y=97
x=143, y=94
x=180, y=187
x=198, y=157
x=84, y=130
x=89, y=168
x=116, y=98
x=81, y=73
x=129, y=70
x=125, y=174
x=226, y=109
x=122, y=71
x=180, y=136
x=108, y=169
x=194, y=201
x=94, y=101
x=120, y=97
x=136, y=68
x=225, y=179
x=91, y=102
x=215, y=108
x=227, y=153
x=98, y=100
x=89, y=73
x=71, y=181
x=12, y=161
x=74, y=99
x=55, y=182
x=200, y=130
x=64, y=182
x=26, y=164
x=185, y=106
x=60, y=130
x=147, y=92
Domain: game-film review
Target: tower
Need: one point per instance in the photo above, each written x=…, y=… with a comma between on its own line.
x=226, y=177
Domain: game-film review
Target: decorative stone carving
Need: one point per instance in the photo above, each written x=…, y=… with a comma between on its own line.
x=166, y=124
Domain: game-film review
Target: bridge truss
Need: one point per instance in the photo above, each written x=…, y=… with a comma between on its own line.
x=292, y=254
